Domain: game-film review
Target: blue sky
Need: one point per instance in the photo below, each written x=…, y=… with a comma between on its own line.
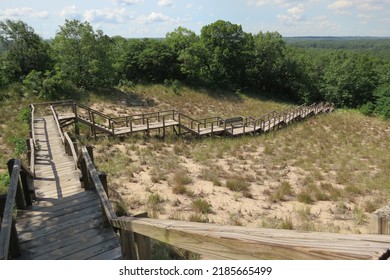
x=154, y=18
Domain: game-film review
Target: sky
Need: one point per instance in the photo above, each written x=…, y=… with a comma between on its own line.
x=155, y=18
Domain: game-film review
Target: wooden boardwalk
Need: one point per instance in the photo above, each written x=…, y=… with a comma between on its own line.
x=66, y=221
x=122, y=126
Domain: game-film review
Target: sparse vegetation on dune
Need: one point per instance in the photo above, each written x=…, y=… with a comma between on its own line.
x=319, y=162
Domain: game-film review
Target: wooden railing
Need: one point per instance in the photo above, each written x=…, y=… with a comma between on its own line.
x=143, y=122
x=146, y=119
x=19, y=193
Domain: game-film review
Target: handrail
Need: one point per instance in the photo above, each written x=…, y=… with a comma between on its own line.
x=58, y=124
x=32, y=157
x=32, y=123
x=64, y=102
x=94, y=175
x=235, y=242
x=19, y=194
x=72, y=148
x=265, y=122
x=5, y=233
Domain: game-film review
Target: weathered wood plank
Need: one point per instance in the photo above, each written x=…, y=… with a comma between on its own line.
x=230, y=242
x=97, y=248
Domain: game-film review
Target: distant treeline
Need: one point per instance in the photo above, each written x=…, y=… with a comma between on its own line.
x=376, y=46
x=222, y=56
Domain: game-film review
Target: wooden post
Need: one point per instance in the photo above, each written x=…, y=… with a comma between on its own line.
x=103, y=180
x=76, y=123
x=179, y=124
x=90, y=152
x=19, y=198
x=85, y=182
x=144, y=244
x=380, y=221
x=25, y=188
x=127, y=245
x=28, y=145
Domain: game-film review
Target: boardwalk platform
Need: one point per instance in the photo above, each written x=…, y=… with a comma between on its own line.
x=121, y=126
x=66, y=221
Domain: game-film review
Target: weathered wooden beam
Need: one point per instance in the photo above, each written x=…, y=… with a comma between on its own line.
x=232, y=242
x=380, y=221
x=6, y=224
x=94, y=176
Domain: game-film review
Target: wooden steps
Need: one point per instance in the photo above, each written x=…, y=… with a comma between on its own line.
x=66, y=221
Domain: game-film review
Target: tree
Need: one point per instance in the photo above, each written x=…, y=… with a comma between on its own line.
x=24, y=51
x=221, y=55
x=266, y=65
x=350, y=79
x=82, y=55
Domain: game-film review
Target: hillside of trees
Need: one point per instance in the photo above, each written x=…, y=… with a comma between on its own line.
x=223, y=55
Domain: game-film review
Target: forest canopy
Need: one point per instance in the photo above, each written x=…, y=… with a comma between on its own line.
x=346, y=72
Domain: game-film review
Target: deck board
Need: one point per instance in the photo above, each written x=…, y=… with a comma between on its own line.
x=65, y=221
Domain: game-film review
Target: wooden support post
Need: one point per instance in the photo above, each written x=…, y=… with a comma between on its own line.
x=127, y=245
x=14, y=250
x=380, y=221
x=76, y=123
x=144, y=244
x=19, y=198
x=179, y=124
x=103, y=180
x=90, y=152
x=85, y=182
x=25, y=188
x=28, y=145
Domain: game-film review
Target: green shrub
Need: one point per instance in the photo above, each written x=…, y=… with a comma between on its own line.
x=237, y=184
x=200, y=205
x=4, y=183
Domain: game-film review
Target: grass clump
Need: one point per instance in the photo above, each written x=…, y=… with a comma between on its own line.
x=305, y=197
x=211, y=175
x=281, y=192
x=202, y=206
x=237, y=184
x=198, y=218
x=155, y=204
x=359, y=216
x=181, y=178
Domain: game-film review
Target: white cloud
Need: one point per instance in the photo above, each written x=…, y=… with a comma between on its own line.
x=107, y=15
x=165, y=3
x=23, y=12
x=372, y=5
x=294, y=15
x=128, y=2
x=154, y=17
x=157, y=17
x=340, y=4
x=71, y=12
x=257, y=3
x=189, y=6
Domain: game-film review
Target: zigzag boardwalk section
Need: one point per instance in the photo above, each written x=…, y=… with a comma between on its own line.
x=66, y=221
x=162, y=120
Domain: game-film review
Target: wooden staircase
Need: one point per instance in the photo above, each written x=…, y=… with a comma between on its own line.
x=66, y=221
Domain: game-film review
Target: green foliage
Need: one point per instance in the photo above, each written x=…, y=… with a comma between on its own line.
x=25, y=51
x=201, y=206
x=19, y=145
x=48, y=85
x=382, y=103
x=4, y=183
x=83, y=55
